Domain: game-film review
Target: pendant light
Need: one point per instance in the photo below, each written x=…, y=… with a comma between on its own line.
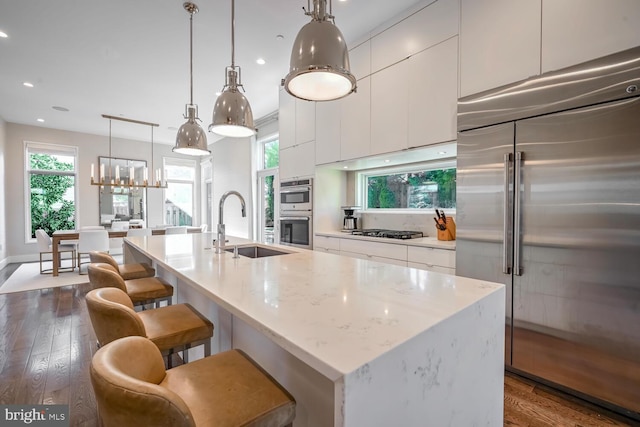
x=191, y=138
x=232, y=114
x=319, y=68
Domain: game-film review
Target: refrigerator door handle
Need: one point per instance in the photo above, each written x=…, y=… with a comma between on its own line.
x=506, y=268
x=516, y=214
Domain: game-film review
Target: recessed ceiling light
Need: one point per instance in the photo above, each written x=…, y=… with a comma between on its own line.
x=3, y=35
x=442, y=152
x=261, y=61
x=387, y=161
x=40, y=120
x=27, y=84
x=172, y=128
x=345, y=167
x=58, y=108
x=218, y=93
x=280, y=37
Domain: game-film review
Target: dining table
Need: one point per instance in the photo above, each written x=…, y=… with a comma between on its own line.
x=63, y=235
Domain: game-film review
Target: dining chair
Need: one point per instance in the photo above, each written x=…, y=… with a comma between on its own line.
x=133, y=388
x=91, y=240
x=45, y=246
x=92, y=227
x=119, y=225
x=176, y=230
x=139, y=232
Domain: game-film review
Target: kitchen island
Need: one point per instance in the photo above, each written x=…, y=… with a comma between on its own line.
x=357, y=343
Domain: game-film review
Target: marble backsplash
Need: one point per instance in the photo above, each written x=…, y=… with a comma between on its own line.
x=399, y=221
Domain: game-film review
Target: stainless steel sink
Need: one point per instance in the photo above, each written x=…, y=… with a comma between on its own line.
x=255, y=251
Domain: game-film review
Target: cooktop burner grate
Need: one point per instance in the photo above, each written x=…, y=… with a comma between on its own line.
x=389, y=234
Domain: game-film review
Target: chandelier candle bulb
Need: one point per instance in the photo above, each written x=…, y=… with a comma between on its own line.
x=101, y=173
x=117, y=173
x=92, y=175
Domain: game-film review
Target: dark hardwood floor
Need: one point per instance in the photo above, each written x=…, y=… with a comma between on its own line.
x=46, y=344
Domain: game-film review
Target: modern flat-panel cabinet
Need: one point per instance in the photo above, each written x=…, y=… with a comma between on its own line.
x=305, y=121
x=432, y=259
x=499, y=43
x=389, y=108
x=355, y=122
x=298, y=161
x=287, y=120
x=433, y=94
x=328, y=131
x=598, y=28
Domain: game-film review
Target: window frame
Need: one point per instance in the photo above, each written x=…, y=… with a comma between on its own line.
x=45, y=148
x=261, y=151
x=363, y=175
x=175, y=161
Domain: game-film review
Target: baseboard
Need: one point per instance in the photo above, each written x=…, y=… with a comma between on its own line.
x=4, y=263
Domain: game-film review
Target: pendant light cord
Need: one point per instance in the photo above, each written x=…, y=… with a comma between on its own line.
x=233, y=33
x=190, y=58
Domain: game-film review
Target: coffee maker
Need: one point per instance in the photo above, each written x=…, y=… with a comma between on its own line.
x=349, y=223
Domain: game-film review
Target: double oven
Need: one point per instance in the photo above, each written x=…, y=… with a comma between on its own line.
x=296, y=213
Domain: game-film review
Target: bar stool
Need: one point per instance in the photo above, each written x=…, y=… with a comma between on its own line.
x=132, y=388
x=126, y=271
x=147, y=290
x=172, y=328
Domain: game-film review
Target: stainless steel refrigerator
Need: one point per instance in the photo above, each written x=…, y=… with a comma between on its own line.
x=548, y=203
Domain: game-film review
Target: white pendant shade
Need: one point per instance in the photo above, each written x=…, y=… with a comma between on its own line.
x=319, y=67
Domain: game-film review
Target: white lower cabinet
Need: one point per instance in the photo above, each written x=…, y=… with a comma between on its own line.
x=326, y=244
x=374, y=258
x=433, y=259
x=374, y=249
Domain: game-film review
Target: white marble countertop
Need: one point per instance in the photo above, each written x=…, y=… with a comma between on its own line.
x=334, y=313
x=430, y=242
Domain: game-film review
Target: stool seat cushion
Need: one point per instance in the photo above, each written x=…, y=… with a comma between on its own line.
x=175, y=325
x=148, y=288
x=229, y=389
x=136, y=271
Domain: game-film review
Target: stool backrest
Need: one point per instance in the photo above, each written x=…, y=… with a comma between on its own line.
x=119, y=225
x=103, y=275
x=101, y=257
x=112, y=315
x=125, y=377
x=44, y=241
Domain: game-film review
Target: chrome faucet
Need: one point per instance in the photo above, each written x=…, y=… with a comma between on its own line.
x=221, y=238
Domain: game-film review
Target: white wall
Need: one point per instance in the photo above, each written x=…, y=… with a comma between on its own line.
x=232, y=170
x=90, y=147
x=3, y=224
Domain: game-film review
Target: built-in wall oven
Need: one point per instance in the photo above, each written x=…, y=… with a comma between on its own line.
x=296, y=213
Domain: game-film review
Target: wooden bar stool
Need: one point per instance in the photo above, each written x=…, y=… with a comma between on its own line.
x=133, y=389
x=126, y=271
x=172, y=328
x=147, y=290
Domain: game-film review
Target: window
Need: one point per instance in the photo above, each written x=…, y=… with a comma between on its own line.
x=267, y=182
x=50, y=187
x=179, y=195
x=426, y=186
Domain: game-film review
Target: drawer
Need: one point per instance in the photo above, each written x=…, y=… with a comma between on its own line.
x=324, y=242
x=432, y=256
x=385, y=250
x=374, y=258
x=435, y=268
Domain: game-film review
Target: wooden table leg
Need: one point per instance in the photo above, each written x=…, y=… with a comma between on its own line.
x=55, y=241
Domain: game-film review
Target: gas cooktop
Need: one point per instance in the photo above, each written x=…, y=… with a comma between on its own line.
x=389, y=234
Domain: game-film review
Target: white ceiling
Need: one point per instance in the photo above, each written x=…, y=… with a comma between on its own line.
x=132, y=58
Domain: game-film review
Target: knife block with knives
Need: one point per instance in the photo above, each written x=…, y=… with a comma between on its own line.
x=445, y=226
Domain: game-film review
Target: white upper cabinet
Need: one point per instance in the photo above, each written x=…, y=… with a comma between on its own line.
x=389, y=108
x=355, y=122
x=433, y=94
x=360, y=60
x=287, y=120
x=297, y=161
x=425, y=28
x=500, y=42
x=574, y=31
x=328, y=132
x=305, y=121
